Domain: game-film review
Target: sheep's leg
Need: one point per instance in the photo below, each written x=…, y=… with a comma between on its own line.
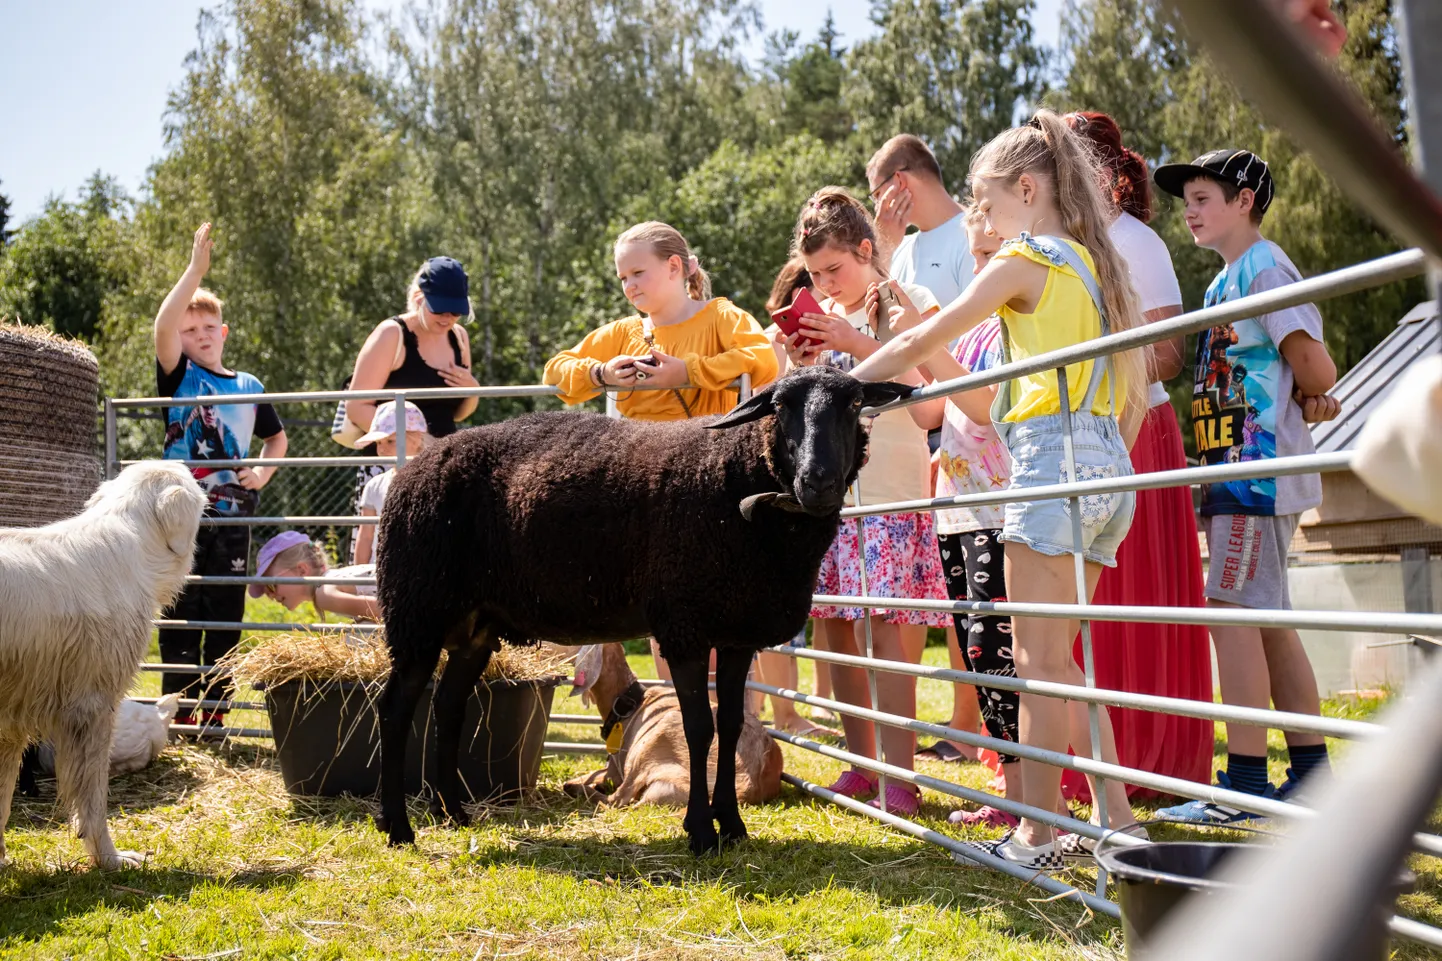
x=690, y=679
x=82, y=773
x=463, y=669
x=732, y=666
x=12, y=748
x=398, y=706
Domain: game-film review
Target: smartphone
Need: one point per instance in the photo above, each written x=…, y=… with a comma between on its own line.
x=789, y=318
x=885, y=300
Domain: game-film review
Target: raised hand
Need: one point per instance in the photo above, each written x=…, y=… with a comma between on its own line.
x=200, y=250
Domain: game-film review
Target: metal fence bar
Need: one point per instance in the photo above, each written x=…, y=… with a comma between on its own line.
x=1372, y=623
x=298, y=520
x=957, y=849
x=247, y=579
x=111, y=441
x=1062, y=821
x=1078, y=553
x=1206, y=710
x=262, y=626
x=356, y=461
x=1182, y=477
x=1372, y=273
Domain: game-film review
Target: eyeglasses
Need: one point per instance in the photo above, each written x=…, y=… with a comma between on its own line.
x=882, y=186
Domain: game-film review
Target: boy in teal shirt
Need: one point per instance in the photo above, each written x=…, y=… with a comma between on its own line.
x=1258, y=382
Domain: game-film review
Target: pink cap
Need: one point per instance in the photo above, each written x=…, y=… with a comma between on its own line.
x=384, y=424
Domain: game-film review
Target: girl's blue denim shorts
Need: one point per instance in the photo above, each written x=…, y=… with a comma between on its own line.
x=1038, y=459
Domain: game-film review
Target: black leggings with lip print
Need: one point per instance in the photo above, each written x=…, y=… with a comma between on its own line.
x=973, y=562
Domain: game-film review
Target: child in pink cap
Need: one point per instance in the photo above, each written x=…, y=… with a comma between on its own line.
x=373, y=495
x=292, y=554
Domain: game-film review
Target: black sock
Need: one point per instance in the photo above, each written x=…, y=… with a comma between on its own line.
x=1307, y=759
x=1248, y=773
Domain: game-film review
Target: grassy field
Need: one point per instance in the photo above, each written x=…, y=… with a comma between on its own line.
x=239, y=869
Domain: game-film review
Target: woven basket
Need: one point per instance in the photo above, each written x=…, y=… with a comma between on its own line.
x=49, y=394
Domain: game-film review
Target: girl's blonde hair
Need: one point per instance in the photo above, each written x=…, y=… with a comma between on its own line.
x=666, y=242
x=307, y=553
x=834, y=217
x=1048, y=149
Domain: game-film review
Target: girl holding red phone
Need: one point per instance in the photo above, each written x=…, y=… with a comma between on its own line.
x=836, y=240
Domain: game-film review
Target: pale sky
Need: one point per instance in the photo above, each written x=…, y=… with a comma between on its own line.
x=83, y=83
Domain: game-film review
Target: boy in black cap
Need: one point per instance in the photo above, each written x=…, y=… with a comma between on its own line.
x=1258, y=381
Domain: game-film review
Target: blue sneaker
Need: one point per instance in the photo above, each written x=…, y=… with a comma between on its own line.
x=1208, y=812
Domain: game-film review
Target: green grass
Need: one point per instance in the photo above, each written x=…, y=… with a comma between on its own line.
x=237, y=865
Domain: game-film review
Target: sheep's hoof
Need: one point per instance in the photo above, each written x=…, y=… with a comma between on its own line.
x=702, y=836
x=398, y=834
x=733, y=829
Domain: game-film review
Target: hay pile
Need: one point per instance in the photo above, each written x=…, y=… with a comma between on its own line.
x=362, y=658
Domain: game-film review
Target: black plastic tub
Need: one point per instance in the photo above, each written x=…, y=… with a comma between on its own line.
x=1152, y=879
x=327, y=738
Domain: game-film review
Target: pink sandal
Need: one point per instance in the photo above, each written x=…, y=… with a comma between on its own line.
x=899, y=800
x=854, y=784
x=987, y=817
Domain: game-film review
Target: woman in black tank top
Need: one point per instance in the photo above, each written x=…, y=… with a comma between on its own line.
x=393, y=357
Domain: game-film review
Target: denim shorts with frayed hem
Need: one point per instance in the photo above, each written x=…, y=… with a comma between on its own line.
x=1038, y=459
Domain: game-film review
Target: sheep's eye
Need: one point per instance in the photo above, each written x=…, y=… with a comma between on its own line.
x=856, y=404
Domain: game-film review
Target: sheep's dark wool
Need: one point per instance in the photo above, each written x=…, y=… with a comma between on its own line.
x=579, y=529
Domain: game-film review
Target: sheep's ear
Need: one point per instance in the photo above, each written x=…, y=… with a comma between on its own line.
x=883, y=392
x=756, y=408
x=177, y=512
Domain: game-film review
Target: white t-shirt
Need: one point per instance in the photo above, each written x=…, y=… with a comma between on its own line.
x=373, y=495
x=1153, y=276
x=899, y=467
x=938, y=259
x=356, y=570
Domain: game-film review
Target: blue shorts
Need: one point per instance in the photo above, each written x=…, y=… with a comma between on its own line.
x=1038, y=456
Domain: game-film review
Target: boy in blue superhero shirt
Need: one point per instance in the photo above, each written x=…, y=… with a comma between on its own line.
x=1258, y=382
x=189, y=340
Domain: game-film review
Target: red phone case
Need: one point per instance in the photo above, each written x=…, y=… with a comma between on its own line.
x=789, y=318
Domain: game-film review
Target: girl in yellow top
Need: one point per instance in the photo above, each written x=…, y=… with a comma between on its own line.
x=1057, y=282
x=682, y=338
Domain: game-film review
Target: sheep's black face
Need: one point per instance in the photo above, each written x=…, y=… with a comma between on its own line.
x=818, y=443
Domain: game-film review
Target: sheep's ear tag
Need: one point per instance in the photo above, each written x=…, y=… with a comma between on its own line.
x=613, y=740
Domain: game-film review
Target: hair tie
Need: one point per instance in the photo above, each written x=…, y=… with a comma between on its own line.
x=692, y=265
x=806, y=231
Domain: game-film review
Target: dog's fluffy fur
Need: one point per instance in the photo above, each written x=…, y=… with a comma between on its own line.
x=76, y=599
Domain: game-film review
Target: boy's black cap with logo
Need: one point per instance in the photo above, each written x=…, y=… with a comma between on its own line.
x=1242, y=168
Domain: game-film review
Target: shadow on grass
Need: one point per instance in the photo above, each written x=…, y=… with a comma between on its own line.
x=170, y=776
x=36, y=901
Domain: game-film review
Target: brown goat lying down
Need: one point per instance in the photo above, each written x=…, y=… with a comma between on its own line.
x=652, y=764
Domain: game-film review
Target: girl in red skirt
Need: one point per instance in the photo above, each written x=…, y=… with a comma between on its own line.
x=1159, y=563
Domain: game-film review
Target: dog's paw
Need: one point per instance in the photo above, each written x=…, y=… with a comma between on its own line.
x=120, y=861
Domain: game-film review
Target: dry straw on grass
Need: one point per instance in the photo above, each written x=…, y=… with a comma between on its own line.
x=362, y=658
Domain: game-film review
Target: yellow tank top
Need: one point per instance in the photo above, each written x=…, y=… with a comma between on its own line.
x=1064, y=316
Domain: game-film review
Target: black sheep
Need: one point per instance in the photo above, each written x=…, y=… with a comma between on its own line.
x=579, y=529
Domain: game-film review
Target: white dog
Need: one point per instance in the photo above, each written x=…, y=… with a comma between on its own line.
x=76, y=599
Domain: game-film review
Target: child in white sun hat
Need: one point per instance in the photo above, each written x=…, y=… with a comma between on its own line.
x=373, y=495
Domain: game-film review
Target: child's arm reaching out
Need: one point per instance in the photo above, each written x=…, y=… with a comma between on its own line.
x=1002, y=281
x=172, y=309
x=334, y=599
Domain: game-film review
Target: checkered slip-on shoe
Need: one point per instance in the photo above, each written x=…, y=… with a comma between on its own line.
x=1075, y=847
x=1045, y=858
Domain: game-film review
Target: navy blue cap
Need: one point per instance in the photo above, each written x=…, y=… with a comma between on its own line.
x=446, y=288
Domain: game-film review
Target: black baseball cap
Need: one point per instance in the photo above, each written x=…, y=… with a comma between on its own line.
x=1240, y=167
x=446, y=288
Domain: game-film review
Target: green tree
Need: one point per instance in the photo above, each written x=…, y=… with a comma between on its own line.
x=60, y=267
x=953, y=72
x=5, y=232
x=278, y=135
x=808, y=81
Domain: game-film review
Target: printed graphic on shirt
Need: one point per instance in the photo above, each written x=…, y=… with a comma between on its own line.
x=213, y=433
x=1234, y=403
